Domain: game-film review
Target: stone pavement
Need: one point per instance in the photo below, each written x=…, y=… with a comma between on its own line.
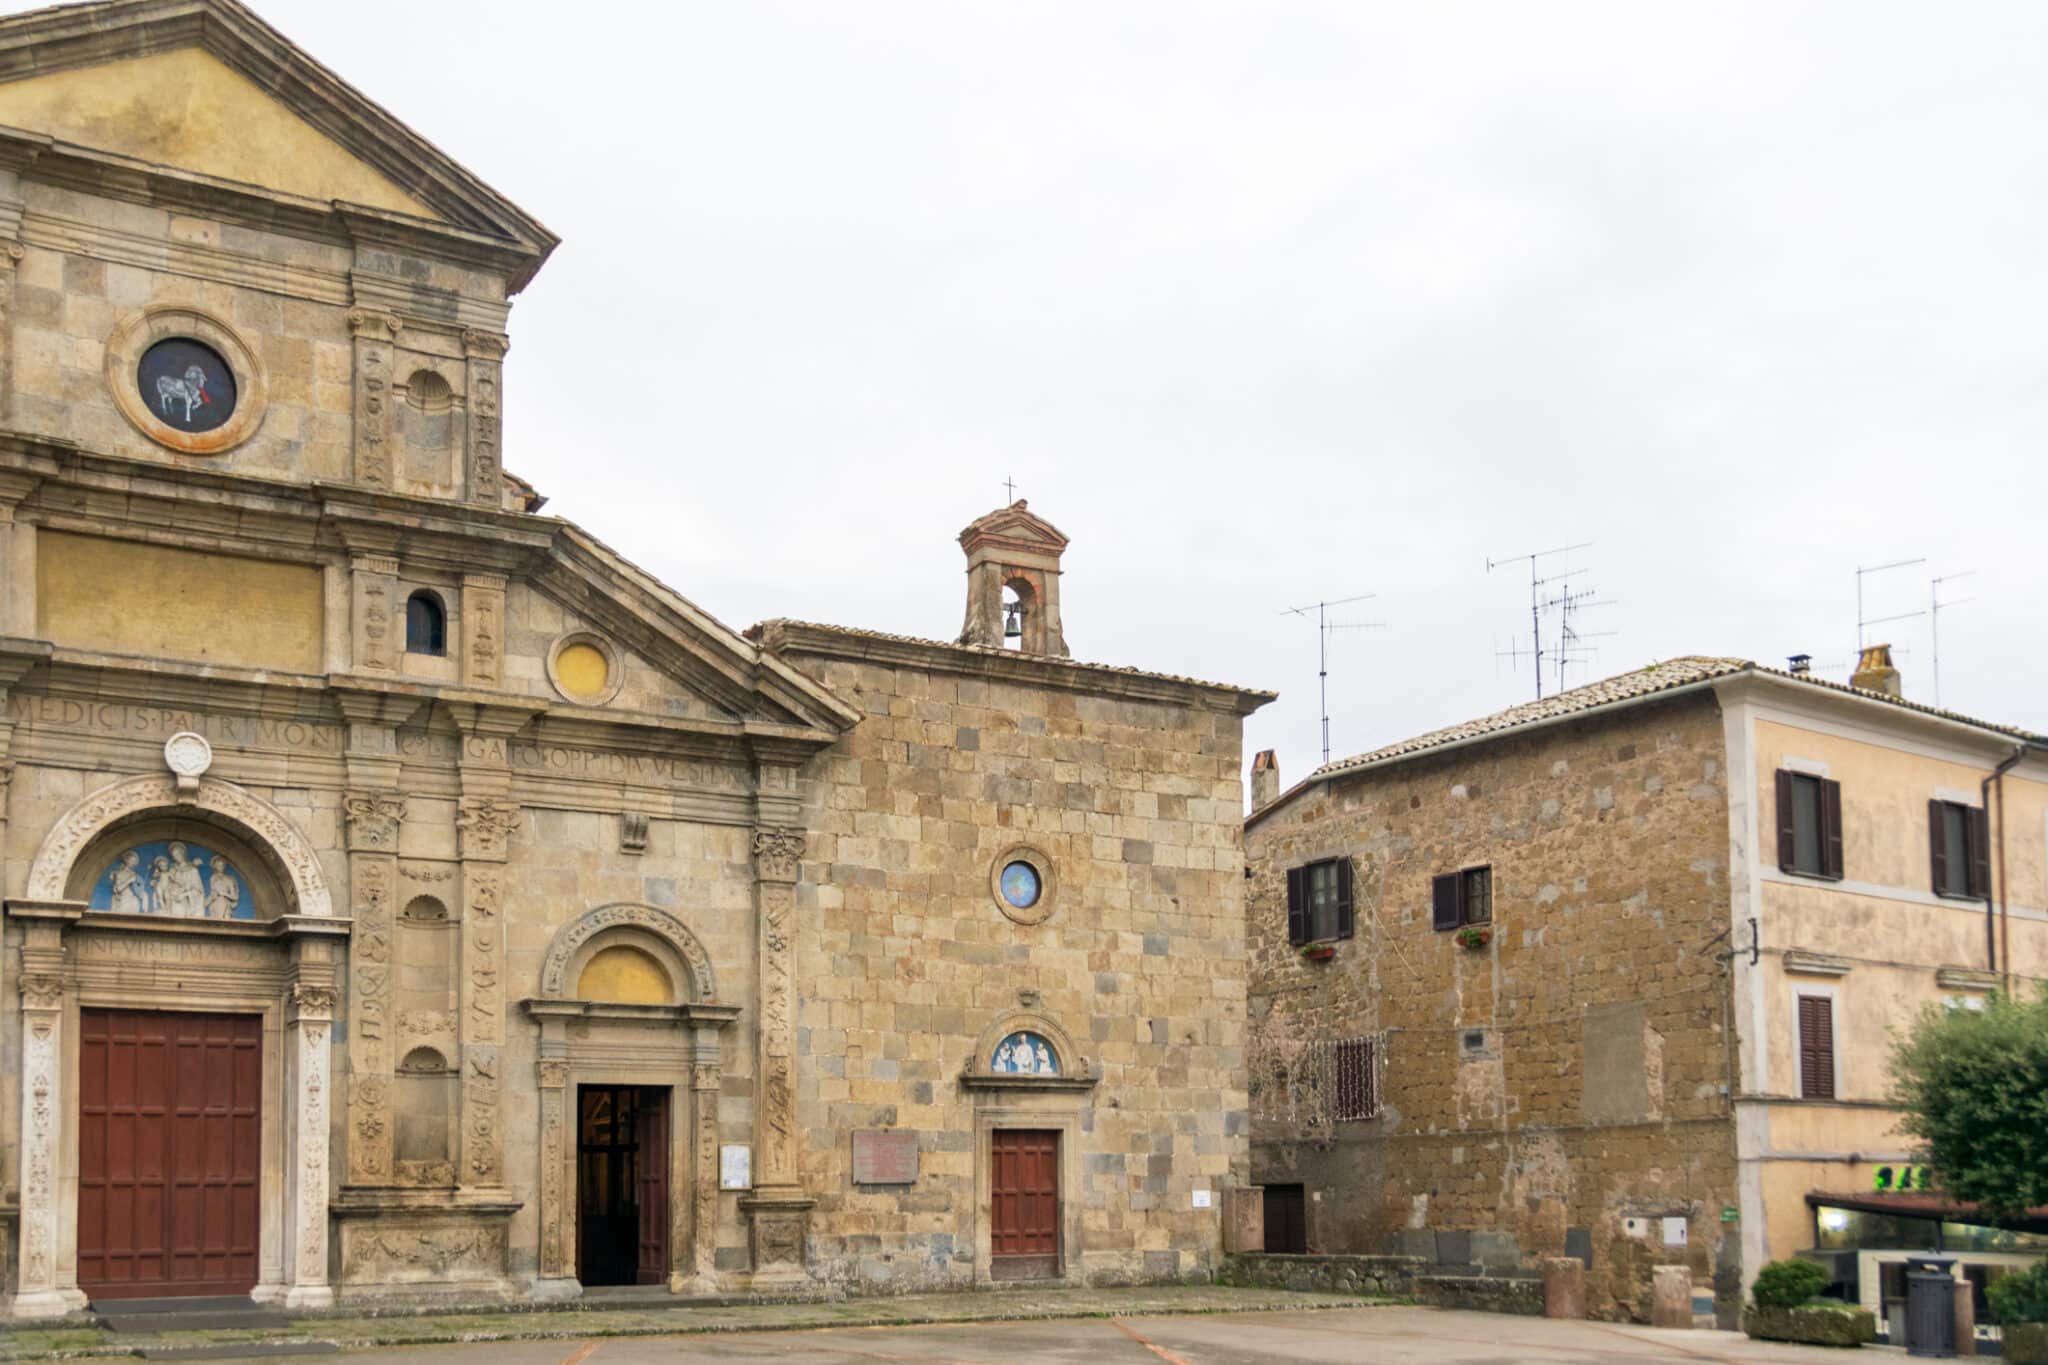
x=619, y=1315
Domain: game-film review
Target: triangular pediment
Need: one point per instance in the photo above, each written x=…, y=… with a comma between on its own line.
x=1017, y=526
x=206, y=87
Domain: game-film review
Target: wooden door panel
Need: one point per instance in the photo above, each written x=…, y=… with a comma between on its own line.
x=652, y=1192
x=170, y=1126
x=1024, y=1203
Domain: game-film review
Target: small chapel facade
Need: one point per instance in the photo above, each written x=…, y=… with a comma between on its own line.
x=406, y=898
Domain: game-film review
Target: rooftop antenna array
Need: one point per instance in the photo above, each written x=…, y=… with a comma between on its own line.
x=1934, y=609
x=1863, y=623
x=1323, y=628
x=1562, y=600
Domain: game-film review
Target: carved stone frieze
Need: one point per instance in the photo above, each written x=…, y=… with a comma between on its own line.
x=485, y=379
x=554, y=1077
x=418, y=1251
x=374, y=333
x=373, y=820
x=378, y=615
x=485, y=826
x=372, y=1047
x=483, y=629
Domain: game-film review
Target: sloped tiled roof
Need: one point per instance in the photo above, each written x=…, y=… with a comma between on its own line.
x=1643, y=684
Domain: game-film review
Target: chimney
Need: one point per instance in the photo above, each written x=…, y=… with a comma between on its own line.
x=1874, y=671
x=1801, y=664
x=1265, y=779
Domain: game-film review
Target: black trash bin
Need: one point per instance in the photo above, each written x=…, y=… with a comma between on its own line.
x=1930, y=1306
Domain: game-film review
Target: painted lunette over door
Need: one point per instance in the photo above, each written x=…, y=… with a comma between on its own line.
x=169, y=1163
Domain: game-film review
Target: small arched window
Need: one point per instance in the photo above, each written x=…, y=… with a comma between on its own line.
x=426, y=624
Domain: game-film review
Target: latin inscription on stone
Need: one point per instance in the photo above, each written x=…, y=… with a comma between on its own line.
x=885, y=1157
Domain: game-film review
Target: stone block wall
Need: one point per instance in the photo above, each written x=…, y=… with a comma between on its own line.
x=907, y=959
x=1544, y=1088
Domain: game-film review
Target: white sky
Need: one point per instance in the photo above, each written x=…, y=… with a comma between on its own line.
x=1269, y=302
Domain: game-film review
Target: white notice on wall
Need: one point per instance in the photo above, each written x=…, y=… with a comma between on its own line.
x=1201, y=1199
x=735, y=1166
x=1674, y=1232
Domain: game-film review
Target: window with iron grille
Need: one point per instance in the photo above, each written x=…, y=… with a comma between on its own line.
x=1356, y=1096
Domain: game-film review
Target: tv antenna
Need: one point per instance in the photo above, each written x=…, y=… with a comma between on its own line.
x=1934, y=608
x=1863, y=623
x=1567, y=602
x=1536, y=602
x=1323, y=628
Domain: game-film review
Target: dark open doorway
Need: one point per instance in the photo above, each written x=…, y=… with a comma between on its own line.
x=622, y=1156
x=1286, y=1219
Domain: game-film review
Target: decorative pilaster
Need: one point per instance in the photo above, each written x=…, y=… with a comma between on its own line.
x=486, y=351
x=483, y=629
x=379, y=624
x=41, y=1290
x=11, y=253
x=484, y=828
x=778, y=1209
x=309, y=1023
x=554, y=1159
x=704, y=1093
x=374, y=334
x=372, y=820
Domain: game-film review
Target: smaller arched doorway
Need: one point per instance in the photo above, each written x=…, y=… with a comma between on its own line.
x=628, y=1190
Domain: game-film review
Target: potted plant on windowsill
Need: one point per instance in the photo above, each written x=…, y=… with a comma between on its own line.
x=1321, y=951
x=1476, y=935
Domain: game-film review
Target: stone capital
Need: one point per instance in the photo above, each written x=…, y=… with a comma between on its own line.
x=481, y=345
x=372, y=325
x=373, y=819
x=778, y=854
x=484, y=826
x=42, y=990
x=312, y=1003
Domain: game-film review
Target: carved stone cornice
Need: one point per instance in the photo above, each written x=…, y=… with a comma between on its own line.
x=778, y=854
x=484, y=828
x=373, y=819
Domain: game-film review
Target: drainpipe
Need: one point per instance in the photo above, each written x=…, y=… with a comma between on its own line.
x=1997, y=930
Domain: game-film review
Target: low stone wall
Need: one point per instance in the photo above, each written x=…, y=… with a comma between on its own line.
x=1518, y=1294
x=1393, y=1276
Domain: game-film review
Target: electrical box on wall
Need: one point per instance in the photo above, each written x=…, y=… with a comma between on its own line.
x=1638, y=1228
x=1674, y=1231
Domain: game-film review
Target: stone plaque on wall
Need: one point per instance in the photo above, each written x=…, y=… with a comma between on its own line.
x=884, y=1157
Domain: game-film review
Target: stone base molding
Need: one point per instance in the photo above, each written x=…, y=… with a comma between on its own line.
x=778, y=1235
x=416, y=1246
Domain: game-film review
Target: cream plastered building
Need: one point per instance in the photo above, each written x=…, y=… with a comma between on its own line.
x=407, y=897
x=1659, y=1030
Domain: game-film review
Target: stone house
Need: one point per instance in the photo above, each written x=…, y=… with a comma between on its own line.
x=1610, y=974
x=407, y=897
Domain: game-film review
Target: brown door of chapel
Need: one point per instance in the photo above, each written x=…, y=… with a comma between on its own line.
x=1024, y=1204
x=169, y=1132
x=622, y=1185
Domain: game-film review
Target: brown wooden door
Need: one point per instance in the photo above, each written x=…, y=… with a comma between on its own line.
x=169, y=1155
x=1024, y=1203
x=1286, y=1219
x=653, y=1186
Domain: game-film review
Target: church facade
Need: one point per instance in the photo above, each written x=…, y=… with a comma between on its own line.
x=407, y=898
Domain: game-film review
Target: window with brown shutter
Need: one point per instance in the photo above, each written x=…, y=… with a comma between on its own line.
x=1297, y=905
x=1958, y=849
x=1816, y=1047
x=1461, y=898
x=1355, y=1094
x=1809, y=825
x=1319, y=901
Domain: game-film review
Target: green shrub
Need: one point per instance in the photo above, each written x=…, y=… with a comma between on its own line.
x=2021, y=1296
x=1834, y=1325
x=1973, y=1088
x=1788, y=1284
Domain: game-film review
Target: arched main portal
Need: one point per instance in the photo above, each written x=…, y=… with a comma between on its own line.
x=223, y=941
x=628, y=1002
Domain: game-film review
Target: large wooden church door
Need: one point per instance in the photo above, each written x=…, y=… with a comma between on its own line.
x=1024, y=1204
x=622, y=1185
x=169, y=1152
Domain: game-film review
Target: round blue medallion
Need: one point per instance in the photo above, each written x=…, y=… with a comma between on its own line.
x=186, y=385
x=1021, y=885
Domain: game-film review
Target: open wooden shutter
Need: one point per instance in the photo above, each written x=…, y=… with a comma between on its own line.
x=1785, y=829
x=1343, y=898
x=1937, y=845
x=1978, y=825
x=1297, y=905
x=1831, y=828
x=1816, y=1047
x=1443, y=901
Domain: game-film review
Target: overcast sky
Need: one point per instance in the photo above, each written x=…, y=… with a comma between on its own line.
x=1274, y=302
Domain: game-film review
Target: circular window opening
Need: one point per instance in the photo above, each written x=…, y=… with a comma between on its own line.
x=186, y=385
x=583, y=671
x=1021, y=885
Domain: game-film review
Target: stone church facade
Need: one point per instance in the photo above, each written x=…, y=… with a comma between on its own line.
x=406, y=897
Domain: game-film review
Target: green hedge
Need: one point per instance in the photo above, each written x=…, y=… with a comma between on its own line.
x=1835, y=1324
x=1787, y=1284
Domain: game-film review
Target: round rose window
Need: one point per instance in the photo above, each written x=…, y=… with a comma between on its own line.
x=186, y=385
x=1021, y=886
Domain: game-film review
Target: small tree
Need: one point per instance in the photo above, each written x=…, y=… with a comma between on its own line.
x=1974, y=1087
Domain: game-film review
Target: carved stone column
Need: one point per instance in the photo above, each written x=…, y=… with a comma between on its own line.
x=483, y=629
x=308, y=1026
x=374, y=333
x=557, y=1272
x=45, y=1287
x=484, y=828
x=372, y=821
x=704, y=1094
x=11, y=253
x=778, y=1209
x=486, y=351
